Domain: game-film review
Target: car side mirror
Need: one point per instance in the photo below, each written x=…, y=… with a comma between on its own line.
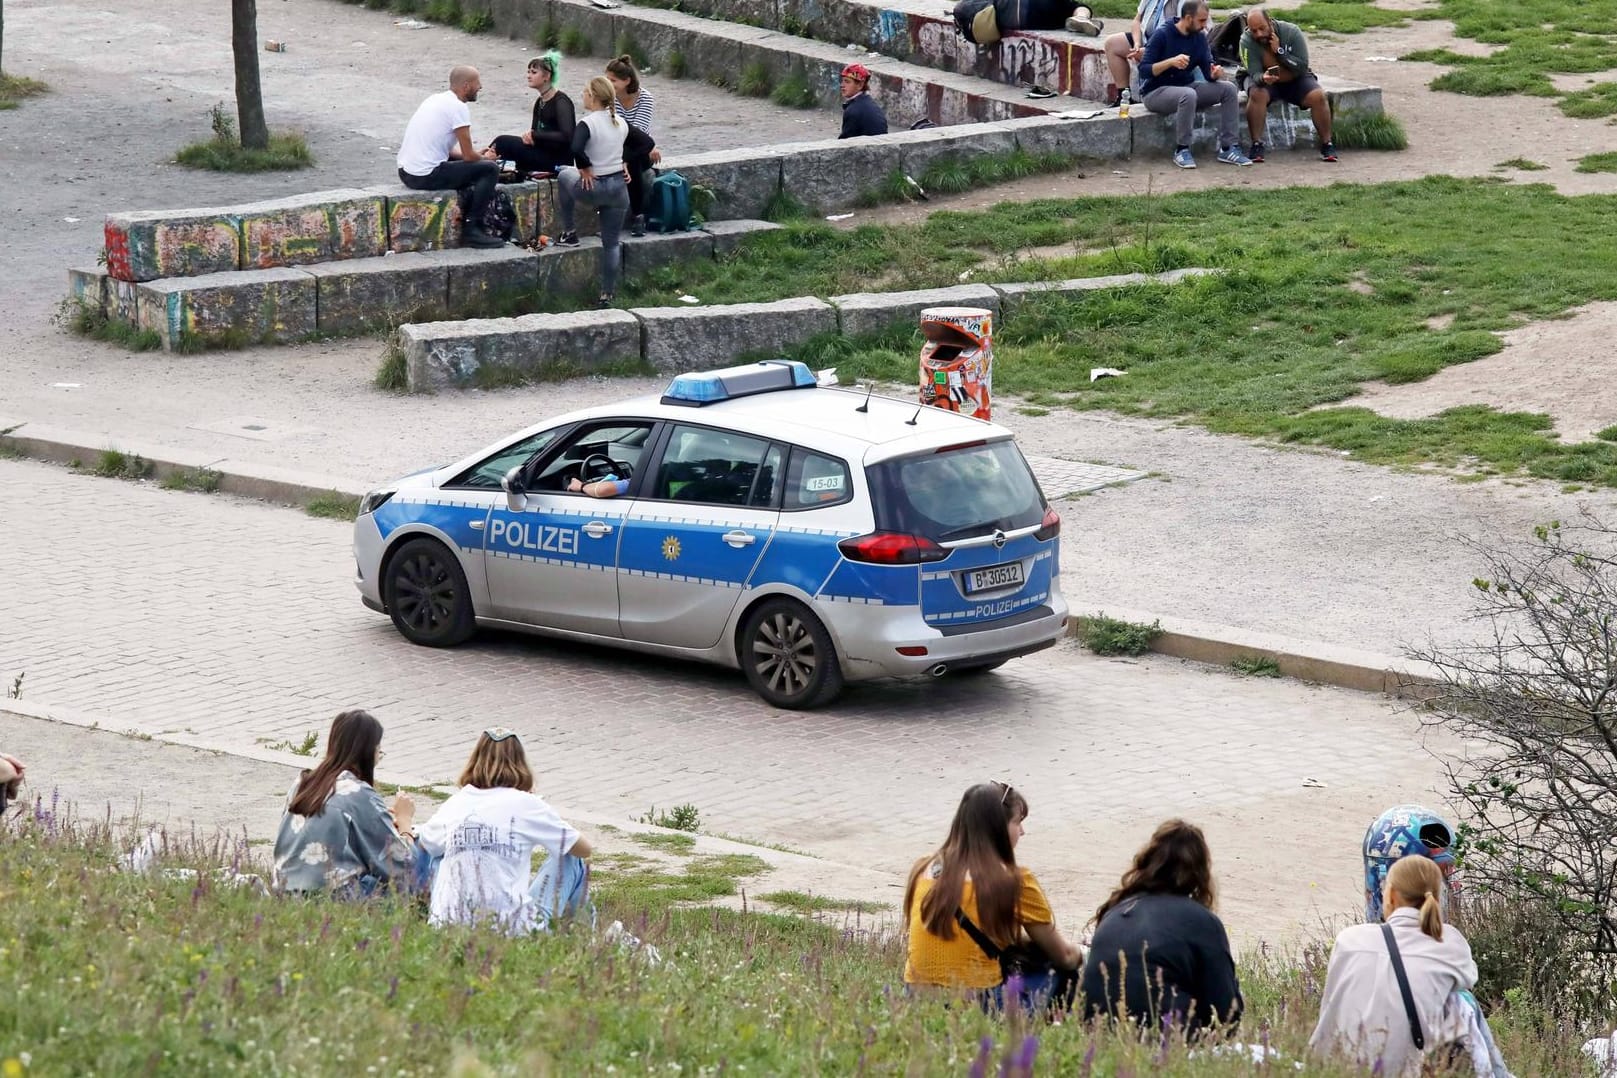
x=515, y=497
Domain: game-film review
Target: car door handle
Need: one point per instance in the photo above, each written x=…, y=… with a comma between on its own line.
x=595, y=529
x=740, y=538
x=476, y=525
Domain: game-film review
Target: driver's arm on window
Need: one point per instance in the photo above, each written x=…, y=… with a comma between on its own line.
x=599, y=488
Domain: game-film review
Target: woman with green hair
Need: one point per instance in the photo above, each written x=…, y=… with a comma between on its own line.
x=547, y=146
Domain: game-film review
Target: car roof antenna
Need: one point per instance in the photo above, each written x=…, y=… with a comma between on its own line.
x=910, y=422
x=870, y=387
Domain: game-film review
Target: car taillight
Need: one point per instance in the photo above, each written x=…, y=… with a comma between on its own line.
x=891, y=548
x=1050, y=527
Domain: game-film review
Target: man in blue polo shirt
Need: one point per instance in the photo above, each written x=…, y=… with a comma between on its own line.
x=1169, y=87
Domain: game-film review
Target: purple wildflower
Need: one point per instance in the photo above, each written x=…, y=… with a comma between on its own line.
x=1088, y=1067
x=979, y=1066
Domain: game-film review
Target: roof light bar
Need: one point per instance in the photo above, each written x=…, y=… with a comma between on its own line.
x=700, y=388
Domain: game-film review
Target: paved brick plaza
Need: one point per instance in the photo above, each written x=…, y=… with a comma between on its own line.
x=229, y=624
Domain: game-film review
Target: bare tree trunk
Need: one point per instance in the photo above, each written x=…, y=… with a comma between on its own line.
x=249, y=97
x=2, y=36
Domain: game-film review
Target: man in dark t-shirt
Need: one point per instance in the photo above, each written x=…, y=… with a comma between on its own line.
x=1169, y=88
x=860, y=114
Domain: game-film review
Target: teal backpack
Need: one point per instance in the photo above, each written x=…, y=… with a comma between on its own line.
x=670, y=203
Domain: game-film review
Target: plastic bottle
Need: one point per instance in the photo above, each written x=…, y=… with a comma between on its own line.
x=1123, y=104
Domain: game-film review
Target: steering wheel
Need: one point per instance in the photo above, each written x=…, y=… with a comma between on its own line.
x=598, y=466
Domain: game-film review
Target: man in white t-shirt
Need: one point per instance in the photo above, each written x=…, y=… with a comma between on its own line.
x=437, y=153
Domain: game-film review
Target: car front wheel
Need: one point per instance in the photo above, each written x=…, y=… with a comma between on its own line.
x=788, y=656
x=426, y=594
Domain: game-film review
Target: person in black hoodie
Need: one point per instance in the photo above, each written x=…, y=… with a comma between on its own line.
x=1160, y=954
x=860, y=114
x=547, y=146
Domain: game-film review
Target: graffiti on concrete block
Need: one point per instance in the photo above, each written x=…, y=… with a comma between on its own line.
x=941, y=46
x=1028, y=61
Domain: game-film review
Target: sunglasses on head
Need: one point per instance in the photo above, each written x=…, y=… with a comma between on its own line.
x=498, y=733
x=1005, y=792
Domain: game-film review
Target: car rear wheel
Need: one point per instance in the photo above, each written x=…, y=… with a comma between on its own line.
x=789, y=657
x=426, y=594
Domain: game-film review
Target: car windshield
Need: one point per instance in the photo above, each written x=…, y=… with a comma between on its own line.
x=958, y=492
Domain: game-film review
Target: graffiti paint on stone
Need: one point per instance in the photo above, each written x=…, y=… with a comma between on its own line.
x=312, y=228
x=422, y=220
x=148, y=246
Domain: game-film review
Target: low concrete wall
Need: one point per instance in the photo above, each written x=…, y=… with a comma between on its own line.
x=347, y=296
x=320, y=227
x=172, y=243
x=539, y=347
x=447, y=355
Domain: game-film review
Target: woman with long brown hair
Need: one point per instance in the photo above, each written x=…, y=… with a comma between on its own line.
x=486, y=834
x=972, y=887
x=1160, y=952
x=337, y=834
x=1364, y=1015
x=637, y=106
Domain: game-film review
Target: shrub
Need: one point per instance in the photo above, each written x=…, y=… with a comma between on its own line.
x=1110, y=636
x=573, y=41
x=477, y=22
x=755, y=80
x=675, y=67
x=794, y=93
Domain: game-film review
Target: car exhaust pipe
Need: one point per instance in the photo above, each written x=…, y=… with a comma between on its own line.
x=939, y=670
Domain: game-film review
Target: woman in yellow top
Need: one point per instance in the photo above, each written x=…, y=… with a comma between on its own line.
x=975, y=874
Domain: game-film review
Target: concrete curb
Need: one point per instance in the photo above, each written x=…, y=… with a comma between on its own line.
x=1219, y=645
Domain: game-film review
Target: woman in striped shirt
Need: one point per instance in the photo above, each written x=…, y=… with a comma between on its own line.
x=636, y=105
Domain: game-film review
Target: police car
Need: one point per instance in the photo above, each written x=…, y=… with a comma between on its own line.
x=808, y=535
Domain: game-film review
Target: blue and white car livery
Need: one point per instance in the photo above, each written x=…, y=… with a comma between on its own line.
x=807, y=535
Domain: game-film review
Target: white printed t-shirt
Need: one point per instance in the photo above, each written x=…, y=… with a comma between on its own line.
x=430, y=134
x=486, y=839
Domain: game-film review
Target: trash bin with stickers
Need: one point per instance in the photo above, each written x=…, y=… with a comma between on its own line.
x=1401, y=831
x=957, y=361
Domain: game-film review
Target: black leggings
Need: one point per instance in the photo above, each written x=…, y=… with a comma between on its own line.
x=528, y=158
x=638, y=167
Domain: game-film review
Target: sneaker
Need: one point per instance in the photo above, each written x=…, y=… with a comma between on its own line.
x=1255, y=155
x=638, y=228
x=606, y=301
x=1114, y=95
x=567, y=239
x=1327, y=152
x=476, y=237
x=1090, y=27
x=1232, y=155
x=1183, y=159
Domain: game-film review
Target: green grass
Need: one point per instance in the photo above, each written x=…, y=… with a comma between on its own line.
x=447, y=12
x=477, y=22
x=1522, y=164
x=626, y=44
x=1597, y=162
x=1365, y=130
x=1534, y=38
x=1343, y=16
x=86, y=321
x=332, y=506
x=703, y=879
x=393, y=375
x=1591, y=103
x=14, y=89
x=116, y=464
x=805, y=903
x=1273, y=347
x=682, y=845
x=287, y=151
x=1112, y=636
x=755, y=81
x=183, y=974
x=794, y=92
x=1255, y=666
x=573, y=41
x=675, y=67
x=198, y=480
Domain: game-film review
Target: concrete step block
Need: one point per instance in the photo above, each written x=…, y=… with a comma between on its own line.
x=743, y=182
x=454, y=355
x=271, y=306
x=149, y=245
x=599, y=25
x=88, y=288
x=651, y=252
x=1013, y=297
x=698, y=338
x=872, y=312
x=572, y=272
x=729, y=235
x=481, y=279
x=1102, y=138
x=833, y=175
x=421, y=220
x=921, y=149
x=373, y=293
x=317, y=227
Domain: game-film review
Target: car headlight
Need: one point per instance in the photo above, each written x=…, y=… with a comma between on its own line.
x=373, y=501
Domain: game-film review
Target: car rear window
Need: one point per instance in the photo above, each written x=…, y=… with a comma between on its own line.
x=956, y=493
